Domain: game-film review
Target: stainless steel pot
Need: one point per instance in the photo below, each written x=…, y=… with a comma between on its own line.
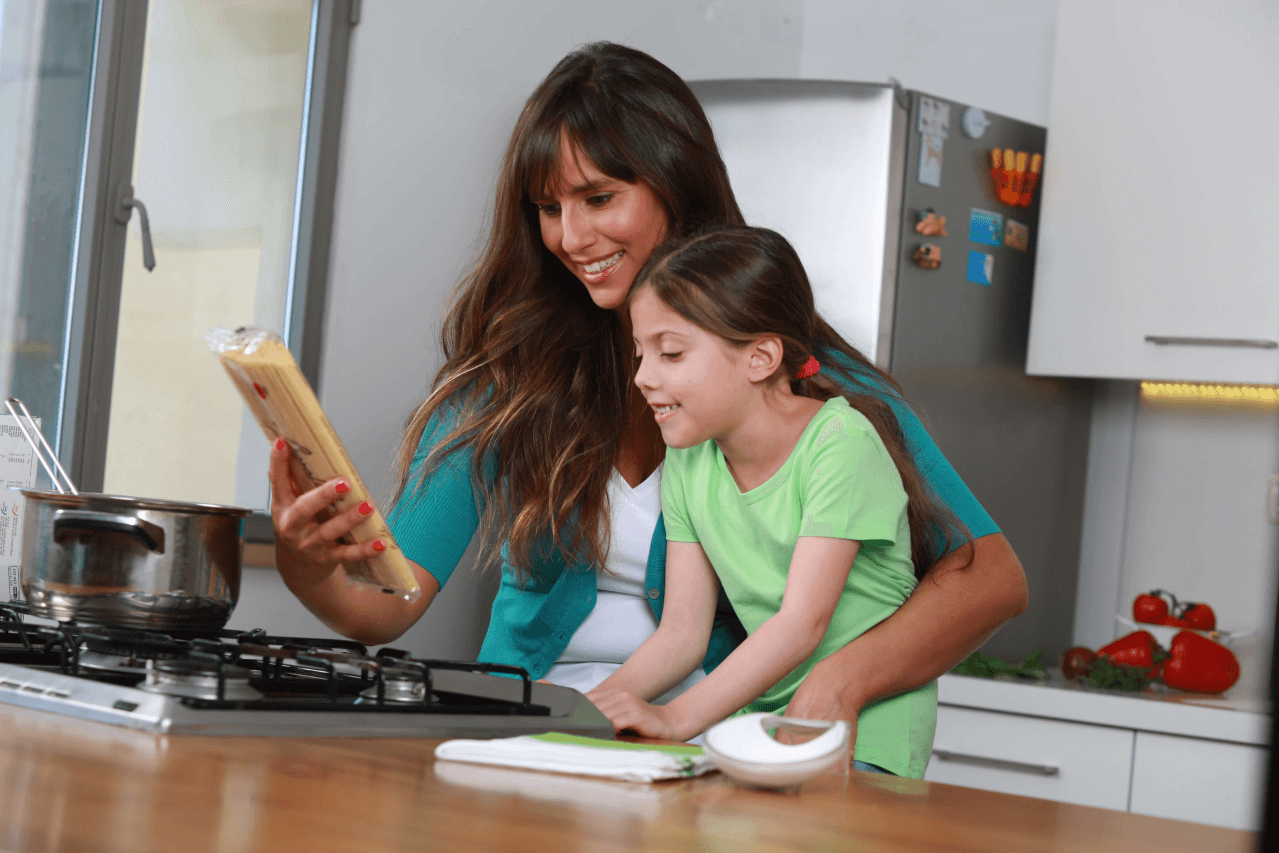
x=131, y=562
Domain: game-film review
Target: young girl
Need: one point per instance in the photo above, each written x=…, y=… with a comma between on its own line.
x=790, y=493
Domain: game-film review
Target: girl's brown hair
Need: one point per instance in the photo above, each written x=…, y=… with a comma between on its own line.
x=536, y=374
x=742, y=283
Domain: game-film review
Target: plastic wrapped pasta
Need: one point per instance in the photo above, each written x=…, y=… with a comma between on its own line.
x=283, y=403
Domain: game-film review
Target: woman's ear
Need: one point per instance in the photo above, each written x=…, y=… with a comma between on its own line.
x=764, y=357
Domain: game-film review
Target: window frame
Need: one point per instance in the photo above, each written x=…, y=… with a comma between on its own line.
x=107, y=171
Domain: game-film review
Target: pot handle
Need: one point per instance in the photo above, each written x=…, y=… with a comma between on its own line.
x=65, y=521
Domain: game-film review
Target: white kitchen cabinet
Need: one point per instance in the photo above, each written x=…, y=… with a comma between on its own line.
x=1205, y=781
x=1033, y=757
x=1159, y=194
x=1200, y=759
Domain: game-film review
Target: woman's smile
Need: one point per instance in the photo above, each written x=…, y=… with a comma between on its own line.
x=602, y=228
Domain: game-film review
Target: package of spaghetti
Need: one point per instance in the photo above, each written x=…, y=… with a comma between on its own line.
x=284, y=405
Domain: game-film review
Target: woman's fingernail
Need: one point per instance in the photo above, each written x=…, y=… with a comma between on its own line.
x=366, y=508
x=279, y=444
x=342, y=488
x=378, y=546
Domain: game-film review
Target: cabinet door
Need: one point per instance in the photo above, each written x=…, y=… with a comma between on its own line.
x=1160, y=194
x=1204, y=781
x=1031, y=756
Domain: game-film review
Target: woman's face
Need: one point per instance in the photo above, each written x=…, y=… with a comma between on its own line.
x=603, y=229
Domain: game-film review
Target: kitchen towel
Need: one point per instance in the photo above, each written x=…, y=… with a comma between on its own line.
x=560, y=753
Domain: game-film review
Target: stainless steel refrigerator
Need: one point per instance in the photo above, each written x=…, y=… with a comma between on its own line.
x=846, y=171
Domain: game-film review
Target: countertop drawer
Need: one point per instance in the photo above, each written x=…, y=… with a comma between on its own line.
x=1204, y=781
x=1034, y=757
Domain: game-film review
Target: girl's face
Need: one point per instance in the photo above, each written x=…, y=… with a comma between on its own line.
x=697, y=384
x=601, y=228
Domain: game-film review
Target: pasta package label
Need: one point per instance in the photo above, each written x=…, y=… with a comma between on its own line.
x=284, y=405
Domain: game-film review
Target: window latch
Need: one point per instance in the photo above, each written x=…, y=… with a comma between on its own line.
x=123, y=210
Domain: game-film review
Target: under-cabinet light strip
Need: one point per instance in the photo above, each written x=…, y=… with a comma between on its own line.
x=1203, y=392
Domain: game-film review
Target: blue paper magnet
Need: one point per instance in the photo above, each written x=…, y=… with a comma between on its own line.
x=930, y=149
x=985, y=227
x=981, y=267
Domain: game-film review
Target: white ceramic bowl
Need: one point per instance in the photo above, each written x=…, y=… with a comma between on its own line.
x=1164, y=633
x=744, y=750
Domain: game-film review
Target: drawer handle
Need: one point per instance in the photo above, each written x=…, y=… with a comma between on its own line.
x=997, y=763
x=1253, y=343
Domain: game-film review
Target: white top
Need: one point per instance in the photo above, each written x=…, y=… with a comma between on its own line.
x=621, y=620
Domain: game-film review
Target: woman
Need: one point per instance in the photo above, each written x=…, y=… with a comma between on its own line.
x=535, y=433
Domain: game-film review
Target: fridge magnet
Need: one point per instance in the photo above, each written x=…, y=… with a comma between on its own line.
x=1030, y=181
x=930, y=224
x=934, y=117
x=985, y=227
x=974, y=122
x=927, y=256
x=981, y=268
x=1016, y=235
x=930, y=148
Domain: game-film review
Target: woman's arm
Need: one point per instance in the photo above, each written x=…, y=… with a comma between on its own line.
x=953, y=611
x=678, y=645
x=310, y=558
x=817, y=574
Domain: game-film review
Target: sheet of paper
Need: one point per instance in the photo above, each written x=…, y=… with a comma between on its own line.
x=17, y=471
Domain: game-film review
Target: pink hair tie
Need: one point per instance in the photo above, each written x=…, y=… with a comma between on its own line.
x=809, y=368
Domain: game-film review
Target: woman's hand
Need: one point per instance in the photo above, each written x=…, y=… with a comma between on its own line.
x=955, y=609
x=628, y=713
x=307, y=549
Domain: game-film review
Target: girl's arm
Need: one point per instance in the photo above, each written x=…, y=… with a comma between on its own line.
x=817, y=574
x=952, y=612
x=678, y=645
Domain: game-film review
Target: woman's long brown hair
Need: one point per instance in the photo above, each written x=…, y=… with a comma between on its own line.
x=743, y=283
x=537, y=375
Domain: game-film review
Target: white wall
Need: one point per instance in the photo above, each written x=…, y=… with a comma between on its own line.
x=433, y=92
x=996, y=54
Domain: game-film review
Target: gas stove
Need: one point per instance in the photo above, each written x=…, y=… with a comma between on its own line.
x=252, y=683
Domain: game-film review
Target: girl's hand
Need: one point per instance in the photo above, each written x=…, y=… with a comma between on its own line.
x=627, y=712
x=306, y=544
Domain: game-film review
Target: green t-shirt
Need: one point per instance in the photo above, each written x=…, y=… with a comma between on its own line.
x=838, y=482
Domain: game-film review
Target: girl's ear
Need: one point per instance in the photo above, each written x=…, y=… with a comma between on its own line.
x=764, y=357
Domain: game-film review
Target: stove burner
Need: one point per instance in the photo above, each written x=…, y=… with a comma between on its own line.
x=114, y=663
x=198, y=679
x=401, y=686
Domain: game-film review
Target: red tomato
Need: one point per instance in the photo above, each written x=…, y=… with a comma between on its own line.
x=1197, y=664
x=1149, y=607
x=1135, y=649
x=1200, y=616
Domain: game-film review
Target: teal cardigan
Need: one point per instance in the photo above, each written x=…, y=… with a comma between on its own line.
x=532, y=620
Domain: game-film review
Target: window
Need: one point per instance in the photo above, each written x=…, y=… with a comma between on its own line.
x=222, y=120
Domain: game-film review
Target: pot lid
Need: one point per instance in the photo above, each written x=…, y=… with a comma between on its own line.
x=96, y=500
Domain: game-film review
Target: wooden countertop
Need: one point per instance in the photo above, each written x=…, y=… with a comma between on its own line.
x=79, y=786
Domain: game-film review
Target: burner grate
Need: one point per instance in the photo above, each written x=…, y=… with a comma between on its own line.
x=291, y=673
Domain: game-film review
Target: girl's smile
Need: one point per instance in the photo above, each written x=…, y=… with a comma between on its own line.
x=696, y=383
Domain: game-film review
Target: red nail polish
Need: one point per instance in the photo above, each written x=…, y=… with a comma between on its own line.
x=342, y=488
x=366, y=508
x=279, y=444
x=378, y=546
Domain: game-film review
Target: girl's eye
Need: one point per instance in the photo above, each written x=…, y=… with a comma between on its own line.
x=599, y=200
x=672, y=356
x=548, y=209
